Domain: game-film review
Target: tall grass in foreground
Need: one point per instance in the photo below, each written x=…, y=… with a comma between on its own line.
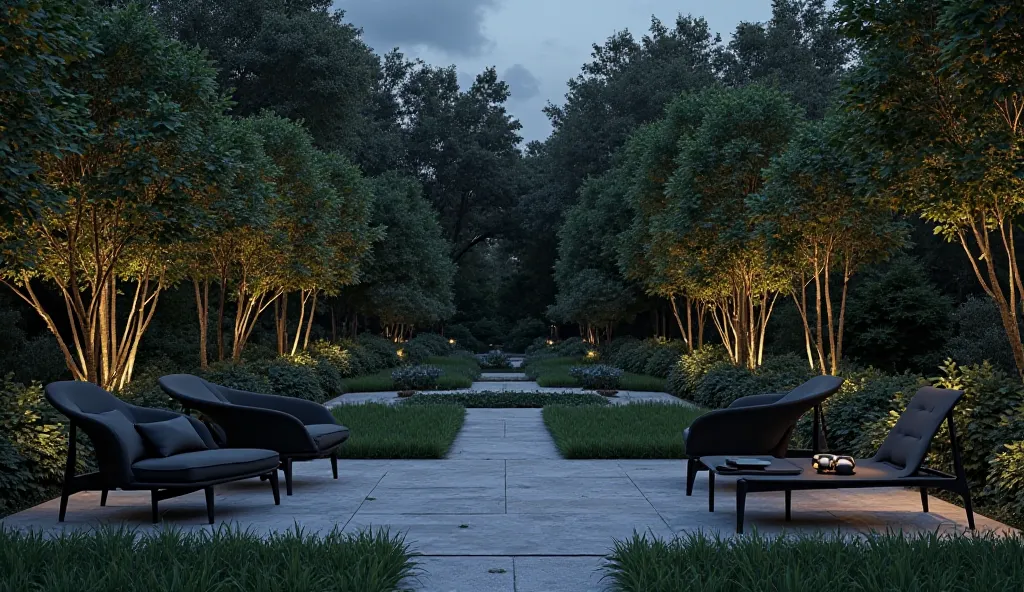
x=398, y=431
x=637, y=430
x=554, y=373
x=818, y=563
x=224, y=560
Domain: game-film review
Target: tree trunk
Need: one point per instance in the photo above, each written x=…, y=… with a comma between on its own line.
x=202, y=293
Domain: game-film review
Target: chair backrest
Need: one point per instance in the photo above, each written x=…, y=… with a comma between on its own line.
x=193, y=391
x=108, y=421
x=812, y=392
x=907, y=443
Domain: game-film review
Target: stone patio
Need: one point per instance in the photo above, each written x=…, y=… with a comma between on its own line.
x=504, y=512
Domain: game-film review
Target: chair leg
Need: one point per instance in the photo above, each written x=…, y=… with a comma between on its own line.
x=69, y=472
x=156, y=508
x=334, y=463
x=691, y=474
x=103, y=498
x=209, y=503
x=924, y=499
x=287, y=465
x=711, y=491
x=789, y=505
x=967, y=505
x=275, y=488
x=741, y=504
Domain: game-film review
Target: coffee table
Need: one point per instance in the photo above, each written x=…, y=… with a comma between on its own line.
x=780, y=467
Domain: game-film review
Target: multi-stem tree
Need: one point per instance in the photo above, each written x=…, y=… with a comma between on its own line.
x=810, y=212
x=940, y=87
x=694, y=228
x=125, y=194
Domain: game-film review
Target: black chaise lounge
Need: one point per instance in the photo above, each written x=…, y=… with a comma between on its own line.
x=896, y=464
x=139, y=448
x=295, y=428
x=756, y=425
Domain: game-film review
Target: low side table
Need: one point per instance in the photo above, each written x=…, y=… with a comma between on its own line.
x=717, y=465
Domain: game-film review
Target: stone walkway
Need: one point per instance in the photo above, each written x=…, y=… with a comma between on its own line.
x=505, y=513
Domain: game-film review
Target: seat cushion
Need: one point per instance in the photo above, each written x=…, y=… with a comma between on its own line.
x=205, y=465
x=172, y=436
x=327, y=435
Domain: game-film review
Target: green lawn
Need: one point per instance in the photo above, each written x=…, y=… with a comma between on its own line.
x=637, y=430
x=398, y=431
x=554, y=372
x=459, y=372
x=506, y=400
x=816, y=563
x=226, y=559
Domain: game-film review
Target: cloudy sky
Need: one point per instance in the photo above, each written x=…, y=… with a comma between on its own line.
x=536, y=45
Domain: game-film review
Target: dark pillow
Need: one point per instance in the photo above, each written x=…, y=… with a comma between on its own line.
x=170, y=437
x=124, y=431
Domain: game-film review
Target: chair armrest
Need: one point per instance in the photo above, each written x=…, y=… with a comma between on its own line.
x=749, y=400
x=255, y=427
x=307, y=412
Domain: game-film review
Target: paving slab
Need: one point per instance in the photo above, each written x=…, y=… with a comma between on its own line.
x=463, y=574
x=560, y=574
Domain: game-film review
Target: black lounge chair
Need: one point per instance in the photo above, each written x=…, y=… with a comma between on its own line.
x=757, y=425
x=128, y=461
x=896, y=464
x=296, y=429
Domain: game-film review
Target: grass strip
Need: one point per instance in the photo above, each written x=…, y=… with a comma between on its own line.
x=888, y=562
x=397, y=431
x=637, y=430
x=507, y=399
x=225, y=559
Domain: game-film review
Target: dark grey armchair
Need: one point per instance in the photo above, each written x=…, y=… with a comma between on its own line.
x=297, y=429
x=127, y=462
x=756, y=425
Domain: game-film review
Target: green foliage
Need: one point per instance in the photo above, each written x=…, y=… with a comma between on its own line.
x=506, y=399
x=328, y=375
x=124, y=559
x=408, y=276
x=293, y=378
x=637, y=430
x=936, y=92
x=411, y=378
x=653, y=357
x=890, y=561
x=464, y=338
x=336, y=355
x=690, y=368
x=597, y=376
x=376, y=353
x=524, y=333
x=43, y=114
x=897, y=318
x=495, y=360
x=1006, y=478
x=979, y=336
x=724, y=383
x=244, y=377
x=398, y=431
x=33, y=445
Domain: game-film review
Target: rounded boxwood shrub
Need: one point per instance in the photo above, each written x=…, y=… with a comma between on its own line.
x=337, y=355
x=414, y=378
x=432, y=343
x=292, y=379
x=690, y=368
x=415, y=352
x=597, y=376
x=495, y=360
x=574, y=346
x=377, y=353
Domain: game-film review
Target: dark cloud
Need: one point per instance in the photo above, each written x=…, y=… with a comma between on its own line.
x=521, y=82
x=452, y=26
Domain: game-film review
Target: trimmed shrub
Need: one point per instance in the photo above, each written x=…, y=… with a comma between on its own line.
x=435, y=344
x=291, y=378
x=724, y=383
x=331, y=380
x=574, y=346
x=376, y=353
x=495, y=360
x=690, y=368
x=525, y=333
x=464, y=338
x=414, y=353
x=597, y=376
x=414, y=378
